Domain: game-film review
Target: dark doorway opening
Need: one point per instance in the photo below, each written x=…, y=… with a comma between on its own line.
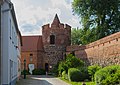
x=46, y=67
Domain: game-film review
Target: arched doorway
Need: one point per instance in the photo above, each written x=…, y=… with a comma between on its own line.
x=46, y=67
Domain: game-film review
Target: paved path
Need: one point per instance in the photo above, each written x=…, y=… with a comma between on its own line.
x=41, y=80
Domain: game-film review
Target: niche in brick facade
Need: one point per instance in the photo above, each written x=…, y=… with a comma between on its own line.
x=52, y=39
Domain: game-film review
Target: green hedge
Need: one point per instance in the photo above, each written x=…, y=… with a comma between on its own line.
x=26, y=72
x=109, y=75
x=38, y=72
x=74, y=74
x=54, y=70
x=84, y=73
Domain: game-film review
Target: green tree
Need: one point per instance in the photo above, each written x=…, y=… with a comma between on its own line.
x=81, y=37
x=102, y=16
x=76, y=35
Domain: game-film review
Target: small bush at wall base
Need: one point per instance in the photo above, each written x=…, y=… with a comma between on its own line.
x=26, y=72
x=70, y=62
x=109, y=75
x=54, y=70
x=64, y=75
x=74, y=74
x=84, y=73
x=38, y=72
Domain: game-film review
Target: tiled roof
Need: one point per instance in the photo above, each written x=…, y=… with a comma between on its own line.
x=32, y=43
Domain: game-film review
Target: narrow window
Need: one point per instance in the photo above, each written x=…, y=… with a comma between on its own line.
x=52, y=39
x=31, y=54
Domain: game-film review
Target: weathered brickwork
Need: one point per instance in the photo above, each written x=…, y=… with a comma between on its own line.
x=26, y=56
x=62, y=36
x=105, y=51
x=32, y=51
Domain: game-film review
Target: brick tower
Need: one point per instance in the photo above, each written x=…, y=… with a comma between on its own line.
x=55, y=39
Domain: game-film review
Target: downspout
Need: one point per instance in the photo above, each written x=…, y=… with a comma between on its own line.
x=0, y=46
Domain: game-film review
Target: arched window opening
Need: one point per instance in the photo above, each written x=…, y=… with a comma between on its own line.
x=52, y=39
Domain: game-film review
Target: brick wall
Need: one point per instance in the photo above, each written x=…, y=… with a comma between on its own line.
x=105, y=51
x=26, y=56
x=55, y=52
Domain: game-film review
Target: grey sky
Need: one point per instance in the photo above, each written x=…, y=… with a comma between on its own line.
x=33, y=14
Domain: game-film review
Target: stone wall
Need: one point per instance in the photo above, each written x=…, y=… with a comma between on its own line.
x=105, y=51
x=53, y=54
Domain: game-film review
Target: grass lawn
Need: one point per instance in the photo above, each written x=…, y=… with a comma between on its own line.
x=78, y=83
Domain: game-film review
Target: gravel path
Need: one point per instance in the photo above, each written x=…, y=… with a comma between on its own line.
x=41, y=80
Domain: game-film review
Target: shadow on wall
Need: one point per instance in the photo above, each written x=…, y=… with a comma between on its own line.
x=82, y=55
x=40, y=53
x=79, y=52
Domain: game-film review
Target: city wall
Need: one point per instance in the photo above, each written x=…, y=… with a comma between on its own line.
x=105, y=51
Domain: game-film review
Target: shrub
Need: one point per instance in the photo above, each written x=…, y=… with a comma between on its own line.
x=62, y=67
x=64, y=75
x=54, y=70
x=109, y=75
x=38, y=72
x=84, y=73
x=92, y=69
x=74, y=74
x=26, y=72
x=73, y=62
x=70, y=62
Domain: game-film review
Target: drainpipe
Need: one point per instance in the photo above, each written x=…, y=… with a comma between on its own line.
x=0, y=45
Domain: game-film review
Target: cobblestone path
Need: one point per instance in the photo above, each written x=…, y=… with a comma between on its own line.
x=41, y=80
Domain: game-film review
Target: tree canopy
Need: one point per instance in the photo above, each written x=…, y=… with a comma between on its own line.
x=81, y=37
x=101, y=17
x=76, y=35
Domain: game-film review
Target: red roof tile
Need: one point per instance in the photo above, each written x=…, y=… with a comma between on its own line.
x=32, y=43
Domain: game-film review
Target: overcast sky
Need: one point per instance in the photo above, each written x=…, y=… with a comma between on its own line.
x=33, y=14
